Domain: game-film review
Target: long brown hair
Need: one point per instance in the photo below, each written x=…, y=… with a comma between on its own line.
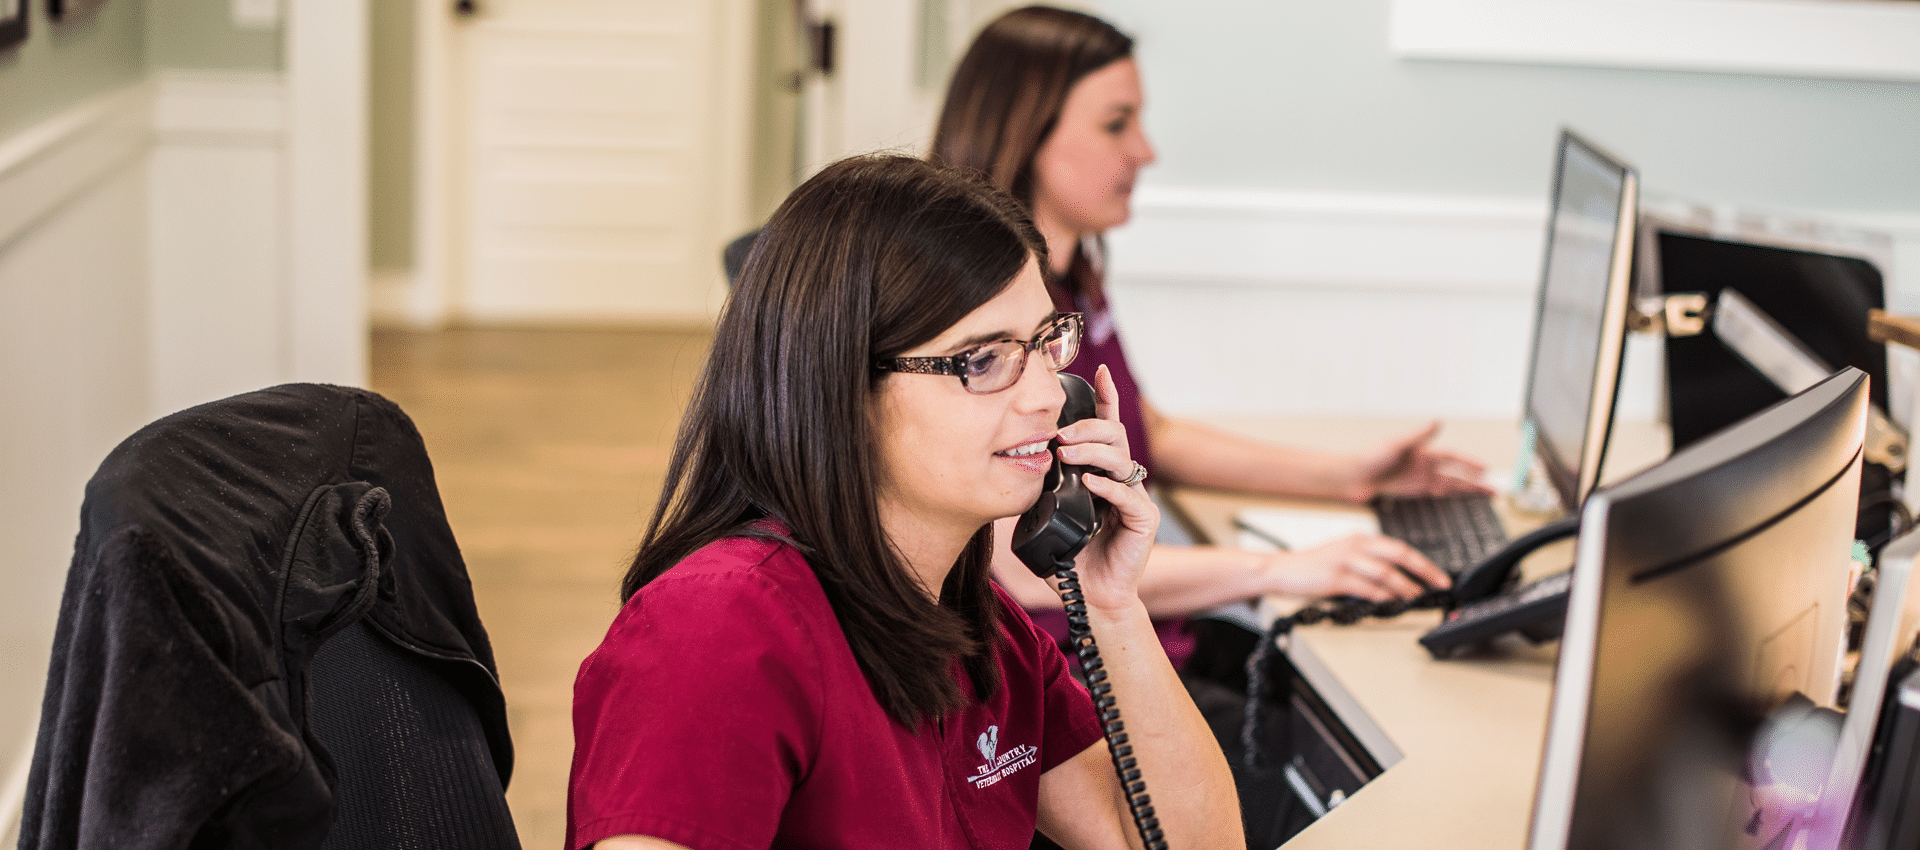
x=869, y=258
x=1006, y=94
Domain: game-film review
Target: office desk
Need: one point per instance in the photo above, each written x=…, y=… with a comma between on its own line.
x=1471, y=730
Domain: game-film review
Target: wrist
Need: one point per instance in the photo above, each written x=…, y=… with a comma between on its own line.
x=1269, y=571
x=1116, y=613
x=1285, y=574
x=1355, y=483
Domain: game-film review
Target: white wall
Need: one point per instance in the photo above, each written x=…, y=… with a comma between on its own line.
x=1345, y=230
x=217, y=181
x=176, y=239
x=1337, y=226
x=73, y=347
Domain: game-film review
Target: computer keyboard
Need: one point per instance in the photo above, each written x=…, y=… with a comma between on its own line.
x=1454, y=532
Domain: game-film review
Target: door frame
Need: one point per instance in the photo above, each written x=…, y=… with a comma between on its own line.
x=430, y=296
x=325, y=319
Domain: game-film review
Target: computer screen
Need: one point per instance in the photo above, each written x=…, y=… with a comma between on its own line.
x=1707, y=592
x=1580, y=328
x=1818, y=282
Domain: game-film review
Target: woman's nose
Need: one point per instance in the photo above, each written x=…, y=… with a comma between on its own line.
x=1143, y=148
x=1039, y=387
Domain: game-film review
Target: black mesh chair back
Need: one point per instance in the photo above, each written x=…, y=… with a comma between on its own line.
x=734, y=256
x=414, y=771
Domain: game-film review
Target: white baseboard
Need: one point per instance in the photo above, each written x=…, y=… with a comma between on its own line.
x=387, y=291
x=397, y=300
x=1274, y=302
x=13, y=789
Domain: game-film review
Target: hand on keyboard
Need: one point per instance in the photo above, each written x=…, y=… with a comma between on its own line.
x=1457, y=532
x=1367, y=566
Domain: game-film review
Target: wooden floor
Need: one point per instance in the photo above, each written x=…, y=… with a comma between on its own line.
x=549, y=447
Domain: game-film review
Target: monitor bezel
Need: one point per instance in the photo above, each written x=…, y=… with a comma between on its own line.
x=1889, y=634
x=1571, y=706
x=1804, y=233
x=1573, y=485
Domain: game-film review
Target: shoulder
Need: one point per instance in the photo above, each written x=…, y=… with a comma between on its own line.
x=736, y=570
x=733, y=591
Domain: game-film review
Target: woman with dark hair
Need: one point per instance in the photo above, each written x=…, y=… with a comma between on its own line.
x=1047, y=104
x=811, y=653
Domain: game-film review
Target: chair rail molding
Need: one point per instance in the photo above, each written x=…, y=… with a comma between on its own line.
x=49, y=163
x=1839, y=39
x=1271, y=301
x=13, y=788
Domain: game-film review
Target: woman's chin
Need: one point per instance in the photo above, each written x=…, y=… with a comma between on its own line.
x=1022, y=504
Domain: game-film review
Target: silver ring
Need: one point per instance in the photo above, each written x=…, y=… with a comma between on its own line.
x=1139, y=475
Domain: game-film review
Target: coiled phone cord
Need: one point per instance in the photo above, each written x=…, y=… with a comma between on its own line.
x=1080, y=635
x=1343, y=611
x=1478, y=583
x=1347, y=610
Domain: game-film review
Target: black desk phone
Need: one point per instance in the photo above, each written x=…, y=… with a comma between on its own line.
x=1046, y=539
x=1482, y=604
x=1485, y=604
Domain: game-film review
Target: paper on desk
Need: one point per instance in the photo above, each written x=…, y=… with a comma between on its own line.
x=1299, y=528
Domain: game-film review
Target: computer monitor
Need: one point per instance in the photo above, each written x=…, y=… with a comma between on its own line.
x=1887, y=814
x=1869, y=791
x=1580, y=327
x=1816, y=280
x=1707, y=591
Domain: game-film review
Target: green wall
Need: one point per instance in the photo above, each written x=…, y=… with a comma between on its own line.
x=200, y=35
x=390, y=101
x=108, y=44
x=63, y=64
x=1304, y=94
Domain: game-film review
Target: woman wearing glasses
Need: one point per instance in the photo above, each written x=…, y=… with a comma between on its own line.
x=1047, y=103
x=810, y=652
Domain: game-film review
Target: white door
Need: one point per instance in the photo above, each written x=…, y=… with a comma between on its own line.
x=596, y=157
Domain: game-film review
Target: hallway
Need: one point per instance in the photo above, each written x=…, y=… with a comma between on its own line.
x=549, y=447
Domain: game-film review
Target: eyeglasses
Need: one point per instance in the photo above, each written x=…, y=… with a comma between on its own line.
x=998, y=365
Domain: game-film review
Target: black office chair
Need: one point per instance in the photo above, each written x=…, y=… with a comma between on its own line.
x=734, y=256
x=268, y=639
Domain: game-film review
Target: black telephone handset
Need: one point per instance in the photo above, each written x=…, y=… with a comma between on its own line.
x=1481, y=604
x=1495, y=574
x=1047, y=538
x=1058, y=526
x=1485, y=603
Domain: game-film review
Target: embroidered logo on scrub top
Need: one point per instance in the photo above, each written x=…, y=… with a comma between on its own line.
x=1000, y=765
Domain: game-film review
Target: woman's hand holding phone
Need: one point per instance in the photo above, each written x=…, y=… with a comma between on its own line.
x=1111, y=564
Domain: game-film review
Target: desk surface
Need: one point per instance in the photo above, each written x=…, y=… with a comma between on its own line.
x=1471, y=730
